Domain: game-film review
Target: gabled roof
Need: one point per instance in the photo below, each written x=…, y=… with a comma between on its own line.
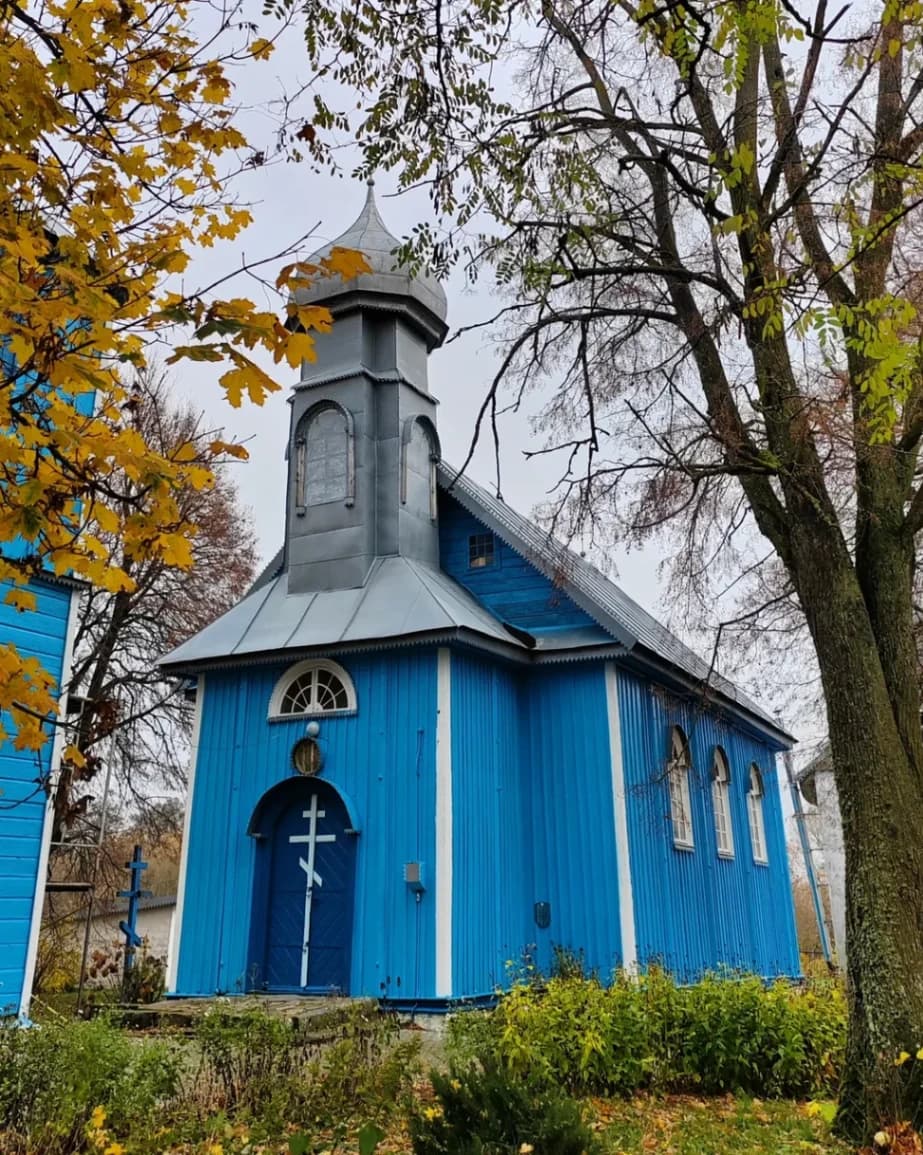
x=595, y=594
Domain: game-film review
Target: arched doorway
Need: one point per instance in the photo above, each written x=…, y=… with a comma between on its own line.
x=301, y=929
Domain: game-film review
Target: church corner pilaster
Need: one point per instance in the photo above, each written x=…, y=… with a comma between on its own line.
x=176, y=929
x=620, y=814
x=443, y=917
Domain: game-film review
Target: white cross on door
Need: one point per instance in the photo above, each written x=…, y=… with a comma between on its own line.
x=312, y=878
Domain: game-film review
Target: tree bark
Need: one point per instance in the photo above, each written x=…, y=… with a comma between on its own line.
x=881, y=804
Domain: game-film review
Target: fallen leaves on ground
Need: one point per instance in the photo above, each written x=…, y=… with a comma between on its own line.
x=898, y=1139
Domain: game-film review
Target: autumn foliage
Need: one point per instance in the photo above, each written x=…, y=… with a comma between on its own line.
x=118, y=147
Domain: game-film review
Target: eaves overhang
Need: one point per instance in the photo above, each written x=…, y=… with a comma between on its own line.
x=461, y=636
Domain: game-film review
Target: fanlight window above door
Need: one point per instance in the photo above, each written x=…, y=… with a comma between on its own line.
x=312, y=689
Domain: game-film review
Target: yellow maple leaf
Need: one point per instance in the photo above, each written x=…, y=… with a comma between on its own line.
x=73, y=755
x=261, y=48
x=300, y=347
x=21, y=600
x=228, y=447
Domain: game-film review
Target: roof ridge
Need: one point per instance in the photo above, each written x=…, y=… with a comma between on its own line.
x=599, y=596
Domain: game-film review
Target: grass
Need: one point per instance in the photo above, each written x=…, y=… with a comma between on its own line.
x=682, y=1125
x=678, y=1125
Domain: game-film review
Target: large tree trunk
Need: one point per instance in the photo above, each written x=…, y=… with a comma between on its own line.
x=881, y=804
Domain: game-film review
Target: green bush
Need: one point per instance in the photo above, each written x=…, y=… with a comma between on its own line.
x=725, y=1033
x=486, y=1110
x=251, y=1072
x=52, y=1078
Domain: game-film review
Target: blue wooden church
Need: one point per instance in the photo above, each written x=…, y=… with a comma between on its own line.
x=430, y=742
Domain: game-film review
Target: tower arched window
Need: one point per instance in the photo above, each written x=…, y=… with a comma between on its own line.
x=324, y=457
x=311, y=689
x=420, y=453
x=680, y=800
x=755, y=811
x=721, y=800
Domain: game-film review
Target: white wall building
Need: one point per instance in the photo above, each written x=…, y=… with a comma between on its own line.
x=826, y=833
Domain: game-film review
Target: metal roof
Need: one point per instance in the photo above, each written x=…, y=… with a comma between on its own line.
x=594, y=593
x=400, y=597
x=152, y=902
x=370, y=236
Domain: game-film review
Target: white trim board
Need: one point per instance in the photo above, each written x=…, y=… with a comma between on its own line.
x=620, y=812
x=443, y=917
x=57, y=747
x=176, y=928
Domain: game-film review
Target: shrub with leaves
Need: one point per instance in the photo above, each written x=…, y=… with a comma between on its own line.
x=53, y=1078
x=486, y=1110
x=725, y=1033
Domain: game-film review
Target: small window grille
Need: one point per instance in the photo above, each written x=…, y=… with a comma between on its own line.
x=755, y=811
x=313, y=689
x=721, y=798
x=481, y=550
x=680, y=801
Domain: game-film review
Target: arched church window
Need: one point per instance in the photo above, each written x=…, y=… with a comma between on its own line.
x=420, y=453
x=313, y=688
x=680, y=800
x=755, y=811
x=721, y=799
x=324, y=464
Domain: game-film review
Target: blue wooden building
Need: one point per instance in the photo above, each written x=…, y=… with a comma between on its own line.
x=430, y=742
x=25, y=778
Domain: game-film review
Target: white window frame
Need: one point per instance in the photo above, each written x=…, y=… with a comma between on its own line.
x=755, y=795
x=721, y=800
x=680, y=796
x=315, y=710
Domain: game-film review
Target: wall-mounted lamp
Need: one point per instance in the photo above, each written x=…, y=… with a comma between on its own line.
x=413, y=877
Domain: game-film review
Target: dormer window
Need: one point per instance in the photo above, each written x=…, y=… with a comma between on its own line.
x=324, y=466
x=481, y=551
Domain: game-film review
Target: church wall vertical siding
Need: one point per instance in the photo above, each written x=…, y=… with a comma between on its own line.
x=694, y=909
x=569, y=783
x=382, y=759
x=512, y=588
x=492, y=861
x=39, y=633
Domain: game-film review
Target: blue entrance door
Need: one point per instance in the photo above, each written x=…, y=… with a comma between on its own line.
x=306, y=874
